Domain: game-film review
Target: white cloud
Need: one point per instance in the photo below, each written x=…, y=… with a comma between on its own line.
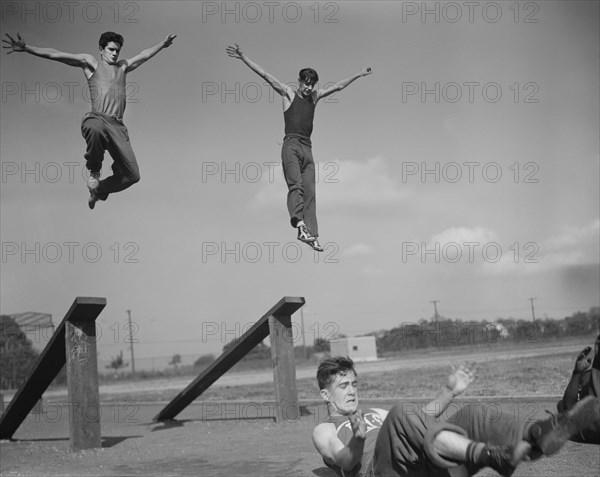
x=359, y=249
x=462, y=235
x=341, y=185
x=573, y=236
x=494, y=256
x=373, y=270
x=574, y=246
x=361, y=184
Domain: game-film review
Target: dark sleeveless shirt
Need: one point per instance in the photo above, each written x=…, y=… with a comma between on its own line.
x=344, y=432
x=107, y=90
x=299, y=116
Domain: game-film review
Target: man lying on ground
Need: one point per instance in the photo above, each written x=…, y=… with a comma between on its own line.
x=405, y=442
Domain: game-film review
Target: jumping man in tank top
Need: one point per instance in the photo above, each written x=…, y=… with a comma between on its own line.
x=296, y=153
x=103, y=127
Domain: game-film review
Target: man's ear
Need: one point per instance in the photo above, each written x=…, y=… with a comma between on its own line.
x=325, y=394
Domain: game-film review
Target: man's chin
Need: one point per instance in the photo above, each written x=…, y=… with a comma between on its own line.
x=350, y=407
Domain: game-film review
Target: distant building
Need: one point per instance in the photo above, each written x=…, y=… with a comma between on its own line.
x=359, y=348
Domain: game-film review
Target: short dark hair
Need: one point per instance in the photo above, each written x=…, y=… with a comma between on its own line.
x=308, y=75
x=331, y=367
x=109, y=36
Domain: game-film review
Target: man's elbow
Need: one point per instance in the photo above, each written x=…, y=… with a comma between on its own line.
x=348, y=466
x=345, y=460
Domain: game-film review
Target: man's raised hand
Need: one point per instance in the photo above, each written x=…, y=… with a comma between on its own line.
x=14, y=45
x=366, y=71
x=461, y=378
x=359, y=426
x=169, y=40
x=584, y=360
x=235, y=52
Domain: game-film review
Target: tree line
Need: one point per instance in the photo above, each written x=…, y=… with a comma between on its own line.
x=17, y=355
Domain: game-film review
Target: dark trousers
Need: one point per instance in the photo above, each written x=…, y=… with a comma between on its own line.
x=582, y=384
x=299, y=172
x=104, y=133
x=405, y=442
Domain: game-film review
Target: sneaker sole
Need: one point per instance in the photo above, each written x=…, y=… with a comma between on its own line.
x=309, y=241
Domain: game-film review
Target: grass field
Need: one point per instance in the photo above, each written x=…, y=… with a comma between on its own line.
x=221, y=435
x=514, y=371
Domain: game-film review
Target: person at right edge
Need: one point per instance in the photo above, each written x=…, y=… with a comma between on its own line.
x=585, y=381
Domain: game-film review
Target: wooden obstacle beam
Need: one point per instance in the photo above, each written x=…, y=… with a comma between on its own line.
x=276, y=323
x=73, y=343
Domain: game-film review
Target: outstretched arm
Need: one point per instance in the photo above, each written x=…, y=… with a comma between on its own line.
x=583, y=363
x=458, y=381
x=18, y=45
x=282, y=89
x=142, y=57
x=340, y=85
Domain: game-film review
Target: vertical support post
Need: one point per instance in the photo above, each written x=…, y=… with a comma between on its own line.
x=284, y=368
x=82, y=384
x=277, y=323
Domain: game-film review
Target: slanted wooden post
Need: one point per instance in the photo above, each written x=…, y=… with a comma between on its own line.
x=280, y=314
x=82, y=374
x=284, y=367
x=82, y=383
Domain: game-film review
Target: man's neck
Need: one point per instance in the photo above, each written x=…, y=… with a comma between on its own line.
x=105, y=61
x=333, y=411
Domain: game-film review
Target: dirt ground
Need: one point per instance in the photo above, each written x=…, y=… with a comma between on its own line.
x=224, y=439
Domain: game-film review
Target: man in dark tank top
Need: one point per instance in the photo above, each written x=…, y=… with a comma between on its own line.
x=102, y=128
x=296, y=152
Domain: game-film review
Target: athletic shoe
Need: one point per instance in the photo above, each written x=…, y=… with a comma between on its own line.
x=316, y=245
x=304, y=235
x=93, y=181
x=551, y=434
x=504, y=459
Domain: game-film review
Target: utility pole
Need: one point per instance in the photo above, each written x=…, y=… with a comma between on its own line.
x=532, y=310
x=131, y=342
x=303, y=335
x=436, y=316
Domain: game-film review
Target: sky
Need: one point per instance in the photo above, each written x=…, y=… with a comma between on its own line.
x=464, y=170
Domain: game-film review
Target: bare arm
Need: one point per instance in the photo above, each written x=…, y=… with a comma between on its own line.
x=583, y=363
x=340, y=85
x=278, y=86
x=145, y=55
x=81, y=60
x=458, y=381
x=334, y=451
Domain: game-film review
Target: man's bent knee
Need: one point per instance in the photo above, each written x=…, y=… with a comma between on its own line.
x=133, y=178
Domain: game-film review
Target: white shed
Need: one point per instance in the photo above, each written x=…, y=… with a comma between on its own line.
x=359, y=348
